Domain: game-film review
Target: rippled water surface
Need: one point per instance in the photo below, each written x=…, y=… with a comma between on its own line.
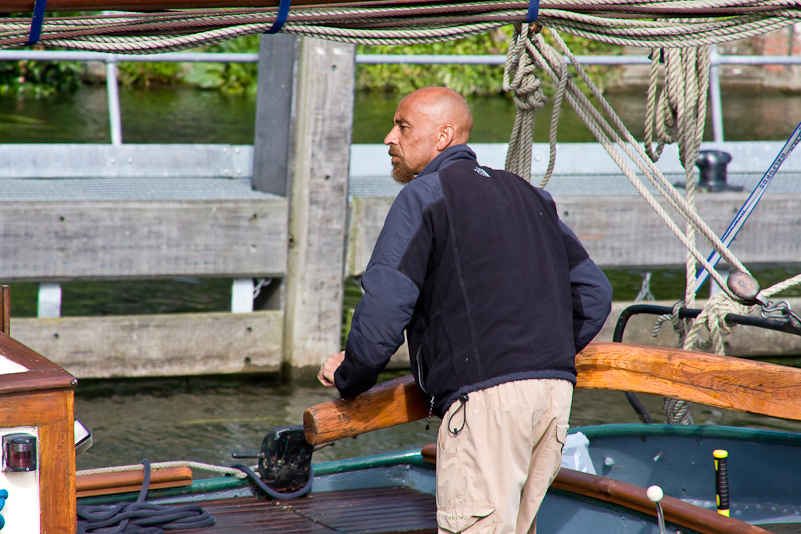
x=206, y=420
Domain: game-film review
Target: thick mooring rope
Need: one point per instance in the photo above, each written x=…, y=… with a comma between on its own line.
x=650, y=24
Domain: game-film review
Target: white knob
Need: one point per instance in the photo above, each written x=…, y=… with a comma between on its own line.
x=654, y=493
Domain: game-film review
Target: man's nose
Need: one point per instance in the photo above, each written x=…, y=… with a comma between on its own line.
x=391, y=138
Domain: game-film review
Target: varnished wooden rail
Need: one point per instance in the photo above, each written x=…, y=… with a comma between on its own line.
x=718, y=381
x=634, y=498
x=130, y=481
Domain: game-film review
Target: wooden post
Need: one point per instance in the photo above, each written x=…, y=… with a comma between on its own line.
x=5, y=310
x=274, y=113
x=318, y=201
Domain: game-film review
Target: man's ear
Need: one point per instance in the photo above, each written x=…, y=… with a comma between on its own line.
x=446, y=135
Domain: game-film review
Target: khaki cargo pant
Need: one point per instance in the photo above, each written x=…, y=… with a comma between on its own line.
x=493, y=474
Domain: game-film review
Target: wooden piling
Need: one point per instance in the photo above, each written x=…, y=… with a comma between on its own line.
x=318, y=201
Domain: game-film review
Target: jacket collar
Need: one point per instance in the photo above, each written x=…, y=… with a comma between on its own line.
x=448, y=157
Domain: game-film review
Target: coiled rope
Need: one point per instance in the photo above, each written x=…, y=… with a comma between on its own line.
x=649, y=24
x=140, y=517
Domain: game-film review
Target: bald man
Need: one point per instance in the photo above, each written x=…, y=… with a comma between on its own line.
x=496, y=296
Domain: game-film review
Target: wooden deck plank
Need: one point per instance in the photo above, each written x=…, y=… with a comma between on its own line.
x=392, y=511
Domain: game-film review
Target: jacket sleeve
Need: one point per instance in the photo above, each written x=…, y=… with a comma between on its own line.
x=390, y=294
x=591, y=291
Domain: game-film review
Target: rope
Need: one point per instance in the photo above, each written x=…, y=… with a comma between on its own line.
x=140, y=517
x=526, y=89
x=163, y=465
x=681, y=108
x=781, y=286
x=648, y=24
x=645, y=289
x=239, y=471
x=612, y=141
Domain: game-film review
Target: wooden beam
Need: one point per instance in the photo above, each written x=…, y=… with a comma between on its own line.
x=633, y=497
x=318, y=202
x=278, y=56
x=622, y=232
x=388, y=404
x=90, y=240
x=159, y=345
x=128, y=481
x=718, y=381
x=57, y=476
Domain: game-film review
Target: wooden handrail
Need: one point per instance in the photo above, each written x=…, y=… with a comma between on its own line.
x=129, y=481
x=633, y=497
x=718, y=381
x=391, y=403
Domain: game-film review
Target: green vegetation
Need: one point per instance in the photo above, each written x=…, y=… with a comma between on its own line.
x=136, y=74
x=41, y=79
x=232, y=78
x=465, y=79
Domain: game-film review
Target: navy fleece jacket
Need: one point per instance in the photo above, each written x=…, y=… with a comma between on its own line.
x=490, y=286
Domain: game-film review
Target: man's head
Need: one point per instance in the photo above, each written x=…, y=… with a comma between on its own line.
x=427, y=122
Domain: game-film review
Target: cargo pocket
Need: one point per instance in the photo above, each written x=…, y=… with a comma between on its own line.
x=561, y=433
x=561, y=437
x=458, y=519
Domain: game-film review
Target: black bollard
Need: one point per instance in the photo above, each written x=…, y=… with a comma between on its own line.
x=712, y=167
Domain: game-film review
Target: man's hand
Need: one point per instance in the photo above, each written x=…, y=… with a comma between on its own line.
x=327, y=370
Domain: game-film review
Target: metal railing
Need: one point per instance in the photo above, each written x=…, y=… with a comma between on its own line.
x=111, y=60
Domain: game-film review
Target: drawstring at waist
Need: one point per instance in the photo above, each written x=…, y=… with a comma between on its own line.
x=462, y=401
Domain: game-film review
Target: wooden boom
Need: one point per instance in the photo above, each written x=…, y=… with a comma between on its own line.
x=719, y=381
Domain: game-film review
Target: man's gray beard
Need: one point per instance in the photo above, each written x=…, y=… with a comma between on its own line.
x=402, y=173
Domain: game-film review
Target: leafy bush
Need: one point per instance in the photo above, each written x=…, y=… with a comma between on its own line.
x=465, y=79
x=232, y=78
x=145, y=74
x=39, y=79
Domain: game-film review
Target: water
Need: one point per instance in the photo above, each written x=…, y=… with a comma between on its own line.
x=187, y=115
x=206, y=419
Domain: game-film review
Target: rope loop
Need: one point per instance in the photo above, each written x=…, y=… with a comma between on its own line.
x=520, y=79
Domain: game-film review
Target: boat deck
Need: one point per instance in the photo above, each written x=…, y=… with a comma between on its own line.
x=377, y=511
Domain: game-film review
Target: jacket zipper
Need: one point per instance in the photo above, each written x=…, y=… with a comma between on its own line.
x=421, y=382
